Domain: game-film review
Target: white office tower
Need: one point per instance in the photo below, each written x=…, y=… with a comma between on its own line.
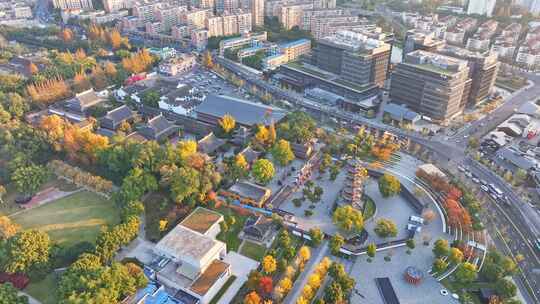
x=481, y=7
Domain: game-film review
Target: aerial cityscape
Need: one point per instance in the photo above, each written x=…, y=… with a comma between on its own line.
x=269, y=151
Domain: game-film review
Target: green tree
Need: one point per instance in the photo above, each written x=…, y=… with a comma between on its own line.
x=326, y=161
x=441, y=248
x=371, y=250
x=151, y=98
x=284, y=240
x=27, y=250
x=29, y=179
x=89, y=281
x=385, y=228
x=335, y=243
x=298, y=127
x=348, y=219
x=521, y=176
x=334, y=293
x=389, y=185
x=316, y=236
x=505, y=288
x=410, y=243
x=263, y=171
x=439, y=265
x=9, y=295
x=282, y=152
x=465, y=273
x=184, y=181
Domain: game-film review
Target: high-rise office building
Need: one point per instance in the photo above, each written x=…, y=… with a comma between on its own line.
x=483, y=69
x=354, y=56
x=431, y=84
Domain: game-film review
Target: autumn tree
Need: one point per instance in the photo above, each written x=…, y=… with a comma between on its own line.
x=348, y=218
x=48, y=91
x=441, y=248
x=32, y=68
x=139, y=62
x=7, y=228
x=252, y=298
x=81, y=82
x=335, y=243
x=389, y=185
x=269, y=264
x=304, y=254
x=282, y=152
x=316, y=236
x=266, y=285
x=439, y=265
x=466, y=273
x=455, y=256
x=262, y=136
x=115, y=39
x=207, y=60
x=385, y=228
x=263, y=171
x=66, y=35
x=99, y=78
x=26, y=250
x=227, y=123
x=110, y=69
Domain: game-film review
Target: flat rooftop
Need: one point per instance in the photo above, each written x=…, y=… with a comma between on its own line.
x=201, y=219
x=436, y=63
x=209, y=277
x=182, y=242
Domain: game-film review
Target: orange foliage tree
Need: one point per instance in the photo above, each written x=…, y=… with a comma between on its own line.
x=66, y=35
x=48, y=91
x=138, y=62
x=79, y=144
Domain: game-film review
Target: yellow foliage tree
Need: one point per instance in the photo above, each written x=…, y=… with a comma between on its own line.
x=48, y=91
x=186, y=148
x=305, y=254
x=262, y=136
x=115, y=39
x=227, y=123
x=32, y=68
x=110, y=69
x=81, y=82
x=269, y=264
x=163, y=225
x=285, y=284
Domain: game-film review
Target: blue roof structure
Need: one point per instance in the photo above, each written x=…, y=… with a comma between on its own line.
x=294, y=43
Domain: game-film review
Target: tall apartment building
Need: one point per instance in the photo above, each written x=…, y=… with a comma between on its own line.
x=292, y=15
x=144, y=12
x=325, y=4
x=194, y=18
x=431, y=84
x=243, y=21
x=73, y=4
x=215, y=26
x=481, y=40
x=257, y=12
x=355, y=57
x=483, y=69
x=294, y=49
x=168, y=16
x=116, y=5
x=481, y=7
x=226, y=5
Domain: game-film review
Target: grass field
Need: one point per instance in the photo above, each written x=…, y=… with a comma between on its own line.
x=45, y=290
x=72, y=219
x=253, y=250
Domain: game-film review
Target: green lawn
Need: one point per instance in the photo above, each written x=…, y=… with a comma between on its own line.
x=230, y=237
x=253, y=250
x=72, y=219
x=369, y=207
x=45, y=290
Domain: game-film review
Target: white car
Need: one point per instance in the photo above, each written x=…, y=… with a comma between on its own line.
x=476, y=180
x=493, y=196
x=461, y=168
x=484, y=188
x=468, y=174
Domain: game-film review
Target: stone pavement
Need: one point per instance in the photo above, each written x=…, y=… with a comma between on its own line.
x=240, y=267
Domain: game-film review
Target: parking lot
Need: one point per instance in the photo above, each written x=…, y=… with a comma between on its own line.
x=209, y=82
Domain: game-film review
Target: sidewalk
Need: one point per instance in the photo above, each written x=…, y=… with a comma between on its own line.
x=301, y=281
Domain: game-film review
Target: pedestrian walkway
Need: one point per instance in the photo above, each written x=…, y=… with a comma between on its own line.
x=299, y=284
